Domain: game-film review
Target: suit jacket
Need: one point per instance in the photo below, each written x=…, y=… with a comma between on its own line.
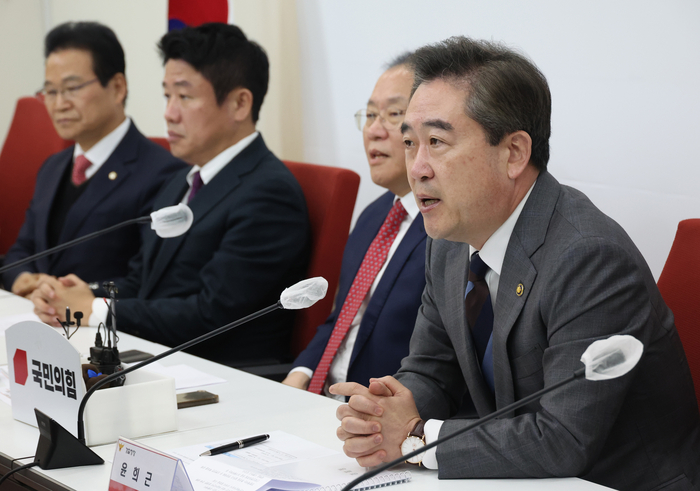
x=249, y=241
x=583, y=280
x=141, y=167
x=386, y=326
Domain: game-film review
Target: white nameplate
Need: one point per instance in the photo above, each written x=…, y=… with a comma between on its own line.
x=45, y=373
x=137, y=467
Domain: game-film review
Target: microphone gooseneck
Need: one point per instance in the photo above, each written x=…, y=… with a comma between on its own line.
x=604, y=359
x=71, y=243
x=167, y=222
x=522, y=402
x=203, y=337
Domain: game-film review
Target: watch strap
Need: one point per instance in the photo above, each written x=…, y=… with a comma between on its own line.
x=419, y=430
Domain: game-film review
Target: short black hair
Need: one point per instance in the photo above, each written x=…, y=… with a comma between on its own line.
x=401, y=59
x=506, y=92
x=99, y=40
x=224, y=56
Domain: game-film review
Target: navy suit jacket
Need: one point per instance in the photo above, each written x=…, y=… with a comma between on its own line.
x=141, y=167
x=387, y=324
x=249, y=241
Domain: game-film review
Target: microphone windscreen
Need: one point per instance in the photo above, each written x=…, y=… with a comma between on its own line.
x=172, y=221
x=611, y=358
x=304, y=294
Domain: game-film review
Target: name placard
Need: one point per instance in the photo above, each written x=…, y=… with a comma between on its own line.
x=45, y=373
x=137, y=467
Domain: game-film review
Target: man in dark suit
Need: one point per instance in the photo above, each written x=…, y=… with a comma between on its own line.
x=378, y=336
x=112, y=174
x=250, y=236
x=556, y=275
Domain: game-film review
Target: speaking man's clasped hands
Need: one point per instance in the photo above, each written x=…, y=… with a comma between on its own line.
x=376, y=419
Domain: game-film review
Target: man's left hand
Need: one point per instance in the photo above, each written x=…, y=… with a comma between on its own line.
x=376, y=420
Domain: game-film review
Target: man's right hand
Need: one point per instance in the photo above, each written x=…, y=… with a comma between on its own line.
x=27, y=282
x=297, y=379
x=376, y=419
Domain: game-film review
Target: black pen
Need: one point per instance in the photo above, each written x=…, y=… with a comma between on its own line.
x=246, y=442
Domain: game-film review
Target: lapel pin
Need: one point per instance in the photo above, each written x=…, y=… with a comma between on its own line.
x=112, y=176
x=520, y=290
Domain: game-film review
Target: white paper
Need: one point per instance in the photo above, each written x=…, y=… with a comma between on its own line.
x=281, y=448
x=211, y=475
x=185, y=376
x=284, y=462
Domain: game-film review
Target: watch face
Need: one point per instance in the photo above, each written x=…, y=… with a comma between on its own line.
x=409, y=445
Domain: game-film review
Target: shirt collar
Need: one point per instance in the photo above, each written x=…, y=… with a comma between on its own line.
x=408, y=201
x=494, y=250
x=101, y=151
x=209, y=170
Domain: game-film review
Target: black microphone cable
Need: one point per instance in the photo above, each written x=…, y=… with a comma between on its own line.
x=17, y=469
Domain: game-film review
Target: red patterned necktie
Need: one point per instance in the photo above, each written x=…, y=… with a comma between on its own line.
x=371, y=264
x=80, y=165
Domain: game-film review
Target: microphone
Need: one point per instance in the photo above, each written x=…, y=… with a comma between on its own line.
x=75, y=451
x=171, y=221
x=604, y=359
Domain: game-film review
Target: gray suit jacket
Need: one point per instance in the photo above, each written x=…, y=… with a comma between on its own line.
x=583, y=280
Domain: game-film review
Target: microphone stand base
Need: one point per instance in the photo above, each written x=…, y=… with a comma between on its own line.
x=58, y=448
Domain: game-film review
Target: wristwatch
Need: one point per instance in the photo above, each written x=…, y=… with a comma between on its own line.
x=414, y=441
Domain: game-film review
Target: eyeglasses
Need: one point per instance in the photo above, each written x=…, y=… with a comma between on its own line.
x=68, y=93
x=390, y=118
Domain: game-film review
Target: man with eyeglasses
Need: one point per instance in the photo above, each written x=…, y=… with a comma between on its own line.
x=382, y=275
x=110, y=175
x=250, y=236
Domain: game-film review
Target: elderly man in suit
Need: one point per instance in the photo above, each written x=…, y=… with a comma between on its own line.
x=111, y=175
x=371, y=340
x=250, y=236
x=522, y=275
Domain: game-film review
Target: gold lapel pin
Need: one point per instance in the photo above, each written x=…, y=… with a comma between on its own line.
x=520, y=290
x=112, y=176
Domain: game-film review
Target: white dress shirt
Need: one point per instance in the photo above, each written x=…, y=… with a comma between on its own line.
x=492, y=253
x=101, y=151
x=338, y=371
x=100, y=308
x=214, y=166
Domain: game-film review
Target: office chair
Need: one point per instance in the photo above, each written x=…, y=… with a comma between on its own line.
x=30, y=141
x=678, y=285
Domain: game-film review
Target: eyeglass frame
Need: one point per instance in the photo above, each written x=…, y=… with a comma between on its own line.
x=67, y=93
x=382, y=117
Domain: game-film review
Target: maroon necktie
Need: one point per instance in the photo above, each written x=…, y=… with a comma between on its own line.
x=80, y=165
x=197, y=184
x=371, y=264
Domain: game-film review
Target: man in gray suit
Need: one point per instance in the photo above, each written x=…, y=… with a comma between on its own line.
x=559, y=275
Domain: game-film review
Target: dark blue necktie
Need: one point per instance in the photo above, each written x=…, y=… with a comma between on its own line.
x=478, y=306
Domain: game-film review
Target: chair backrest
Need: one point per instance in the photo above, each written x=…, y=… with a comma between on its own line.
x=163, y=142
x=30, y=140
x=678, y=282
x=330, y=194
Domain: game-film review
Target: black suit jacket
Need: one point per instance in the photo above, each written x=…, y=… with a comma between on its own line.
x=141, y=168
x=386, y=326
x=249, y=241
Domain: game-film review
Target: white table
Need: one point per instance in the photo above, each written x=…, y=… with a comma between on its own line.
x=247, y=405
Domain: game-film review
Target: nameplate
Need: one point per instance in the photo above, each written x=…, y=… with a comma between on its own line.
x=45, y=373
x=136, y=467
